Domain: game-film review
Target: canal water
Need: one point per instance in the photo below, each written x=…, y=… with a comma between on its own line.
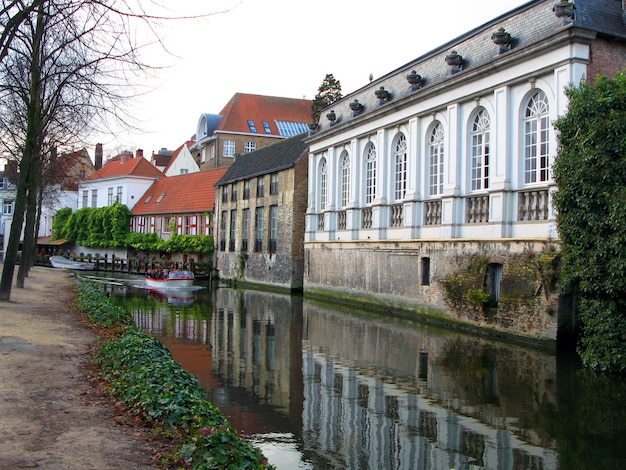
x=320, y=386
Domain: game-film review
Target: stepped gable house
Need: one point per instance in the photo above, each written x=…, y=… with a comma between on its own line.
x=123, y=178
x=184, y=203
x=261, y=201
x=247, y=123
x=431, y=187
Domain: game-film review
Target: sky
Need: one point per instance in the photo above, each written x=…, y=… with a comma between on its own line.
x=282, y=48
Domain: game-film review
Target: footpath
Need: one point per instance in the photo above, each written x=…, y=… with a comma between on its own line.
x=51, y=414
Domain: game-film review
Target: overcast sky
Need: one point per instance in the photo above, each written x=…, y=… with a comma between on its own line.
x=285, y=48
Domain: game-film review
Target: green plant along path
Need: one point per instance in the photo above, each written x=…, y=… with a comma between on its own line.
x=143, y=374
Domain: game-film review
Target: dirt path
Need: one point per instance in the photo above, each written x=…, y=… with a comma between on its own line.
x=50, y=415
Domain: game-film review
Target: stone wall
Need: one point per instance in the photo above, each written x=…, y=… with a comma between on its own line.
x=458, y=287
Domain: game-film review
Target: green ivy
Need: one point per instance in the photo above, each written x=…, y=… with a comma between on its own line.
x=590, y=171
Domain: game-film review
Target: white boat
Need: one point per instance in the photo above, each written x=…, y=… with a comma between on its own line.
x=174, y=280
x=64, y=263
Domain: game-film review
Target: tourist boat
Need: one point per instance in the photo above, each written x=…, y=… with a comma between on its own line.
x=64, y=263
x=174, y=280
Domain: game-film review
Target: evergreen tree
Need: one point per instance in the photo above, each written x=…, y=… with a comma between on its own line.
x=328, y=92
x=590, y=171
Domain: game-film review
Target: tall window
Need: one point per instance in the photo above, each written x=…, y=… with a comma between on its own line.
x=119, y=193
x=85, y=198
x=246, y=189
x=480, y=151
x=245, y=229
x=260, y=186
x=7, y=207
x=2, y=183
x=94, y=198
x=274, y=183
x=223, y=231
x=536, y=135
x=259, y=226
x=323, y=183
x=273, y=228
x=370, y=173
x=229, y=148
x=435, y=160
x=233, y=227
x=345, y=179
x=233, y=192
x=110, y=196
x=400, y=158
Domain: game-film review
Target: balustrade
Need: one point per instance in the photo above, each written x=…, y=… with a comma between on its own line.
x=366, y=217
x=396, y=215
x=533, y=205
x=341, y=220
x=432, y=213
x=477, y=209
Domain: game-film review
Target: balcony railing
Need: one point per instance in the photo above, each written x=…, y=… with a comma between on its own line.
x=477, y=209
x=432, y=213
x=341, y=220
x=396, y=215
x=320, y=222
x=366, y=217
x=533, y=205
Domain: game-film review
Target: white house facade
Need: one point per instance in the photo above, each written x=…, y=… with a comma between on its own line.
x=436, y=178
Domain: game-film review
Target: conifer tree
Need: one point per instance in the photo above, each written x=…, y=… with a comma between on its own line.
x=328, y=92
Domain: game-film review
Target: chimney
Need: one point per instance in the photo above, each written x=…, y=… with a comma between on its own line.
x=139, y=152
x=98, y=158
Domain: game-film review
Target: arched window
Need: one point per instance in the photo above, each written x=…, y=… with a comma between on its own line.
x=345, y=179
x=480, y=150
x=536, y=139
x=435, y=160
x=370, y=173
x=323, y=183
x=400, y=157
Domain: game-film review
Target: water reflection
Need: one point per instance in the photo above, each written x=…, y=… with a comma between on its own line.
x=317, y=387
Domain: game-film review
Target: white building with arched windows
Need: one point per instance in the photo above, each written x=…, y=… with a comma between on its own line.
x=431, y=187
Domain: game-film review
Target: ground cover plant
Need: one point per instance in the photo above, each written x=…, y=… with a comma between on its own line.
x=142, y=374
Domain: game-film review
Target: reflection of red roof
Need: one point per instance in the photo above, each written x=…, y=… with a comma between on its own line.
x=181, y=194
x=258, y=108
x=129, y=166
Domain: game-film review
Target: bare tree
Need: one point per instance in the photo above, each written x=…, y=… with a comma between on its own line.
x=69, y=69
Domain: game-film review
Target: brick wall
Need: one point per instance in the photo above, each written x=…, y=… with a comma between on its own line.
x=607, y=58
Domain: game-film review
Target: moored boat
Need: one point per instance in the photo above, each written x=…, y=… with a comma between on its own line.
x=172, y=280
x=64, y=263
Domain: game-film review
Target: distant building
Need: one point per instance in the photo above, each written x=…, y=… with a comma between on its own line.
x=432, y=186
x=247, y=123
x=182, y=204
x=261, y=201
x=176, y=162
x=123, y=178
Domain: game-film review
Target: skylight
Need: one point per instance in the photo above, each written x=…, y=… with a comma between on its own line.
x=148, y=199
x=266, y=126
x=291, y=128
x=160, y=198
x=252, y=126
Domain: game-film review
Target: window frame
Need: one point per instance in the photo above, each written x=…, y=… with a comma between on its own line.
x=480, y=144
x=436, y=159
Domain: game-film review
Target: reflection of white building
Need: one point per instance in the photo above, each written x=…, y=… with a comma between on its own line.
x=448, y=157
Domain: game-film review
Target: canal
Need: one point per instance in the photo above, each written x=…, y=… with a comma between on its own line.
x=320, y=386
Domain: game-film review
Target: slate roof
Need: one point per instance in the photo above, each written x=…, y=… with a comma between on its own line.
x=137, y=166
x=530, y=25
x=258, y=108
x=183, y=194
x=270, y=159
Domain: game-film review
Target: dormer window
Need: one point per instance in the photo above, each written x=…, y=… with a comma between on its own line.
x=252, y=126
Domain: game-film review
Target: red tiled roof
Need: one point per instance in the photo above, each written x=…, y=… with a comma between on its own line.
x=138, y=166
x=194, y=192
x=258, y=108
